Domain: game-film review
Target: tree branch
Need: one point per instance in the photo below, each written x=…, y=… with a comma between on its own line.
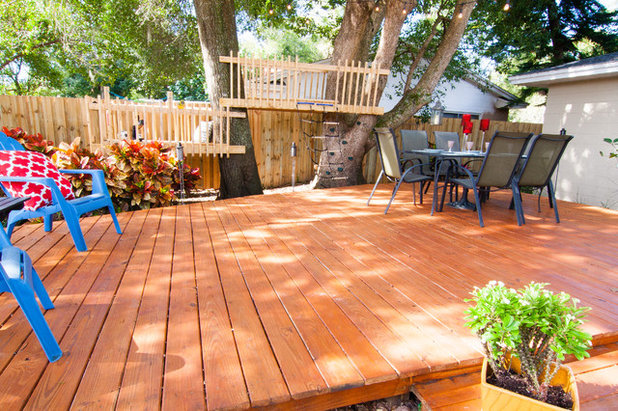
x=423, y=50
x=21, y=54
x=414, y=99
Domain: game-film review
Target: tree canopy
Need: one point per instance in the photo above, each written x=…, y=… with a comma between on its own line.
x=74, y=47
x=535, y=34
x=146, y=47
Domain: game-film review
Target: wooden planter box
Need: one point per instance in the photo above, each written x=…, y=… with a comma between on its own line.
x=496, y=398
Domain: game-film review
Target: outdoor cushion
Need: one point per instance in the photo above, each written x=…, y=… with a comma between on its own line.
x=32, y=164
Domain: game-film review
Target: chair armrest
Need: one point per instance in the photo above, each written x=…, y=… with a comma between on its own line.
x=404, y=161
x=98, y=179
x=46, y=181
x=407, y=170
x=465, y=170
x=471, y=160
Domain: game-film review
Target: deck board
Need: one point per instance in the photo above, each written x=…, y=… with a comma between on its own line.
x=101, y=379
x=183, y=383
x=143, y=374
x=300, y=372
x=303, y=300
x=265, y=383
x=224, y=381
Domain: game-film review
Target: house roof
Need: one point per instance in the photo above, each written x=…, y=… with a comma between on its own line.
x=593, y=67
x=496, y=90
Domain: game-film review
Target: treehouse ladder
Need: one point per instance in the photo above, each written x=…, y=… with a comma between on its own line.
x=322, y=138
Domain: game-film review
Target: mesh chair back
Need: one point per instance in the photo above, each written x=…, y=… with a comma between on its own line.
x=414, y=140
x=503, y=155
x=389, y=154
x=543, y=157
x=443, y=137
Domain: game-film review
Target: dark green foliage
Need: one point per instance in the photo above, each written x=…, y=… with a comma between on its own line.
x=137, y=47
x=535, y=34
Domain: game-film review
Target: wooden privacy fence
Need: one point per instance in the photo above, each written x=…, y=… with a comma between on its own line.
x=64, y=119
x=290, y=85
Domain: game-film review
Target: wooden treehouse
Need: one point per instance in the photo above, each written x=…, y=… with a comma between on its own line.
x=254, y=84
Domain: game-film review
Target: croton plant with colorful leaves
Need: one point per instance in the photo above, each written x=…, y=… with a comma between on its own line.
x=138, y=175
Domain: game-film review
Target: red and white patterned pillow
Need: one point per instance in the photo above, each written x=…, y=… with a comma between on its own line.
x=32, y=164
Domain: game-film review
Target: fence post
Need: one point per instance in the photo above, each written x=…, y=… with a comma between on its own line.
x=170, y=114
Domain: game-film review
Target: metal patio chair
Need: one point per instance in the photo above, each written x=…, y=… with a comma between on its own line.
x=392, y=167
x=543, y=157
x=416, y=140
x=498, y=169
x=443, y=137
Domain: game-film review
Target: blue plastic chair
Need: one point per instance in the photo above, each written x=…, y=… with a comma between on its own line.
x=18, y=277
x=71, y=209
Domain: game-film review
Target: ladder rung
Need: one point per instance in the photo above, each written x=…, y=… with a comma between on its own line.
x=324, y=136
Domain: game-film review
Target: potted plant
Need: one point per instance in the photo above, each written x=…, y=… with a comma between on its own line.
x=526, y=334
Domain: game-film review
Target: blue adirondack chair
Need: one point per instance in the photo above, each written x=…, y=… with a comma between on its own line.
x=18, y=277
x=71, y=209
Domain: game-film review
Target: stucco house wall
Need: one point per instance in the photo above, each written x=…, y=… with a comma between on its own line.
x=588, y=110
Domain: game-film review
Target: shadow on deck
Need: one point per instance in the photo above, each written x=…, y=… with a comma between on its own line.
x=306, y=300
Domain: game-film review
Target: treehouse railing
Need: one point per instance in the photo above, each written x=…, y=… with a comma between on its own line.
x=200, y=129
x=290, y=85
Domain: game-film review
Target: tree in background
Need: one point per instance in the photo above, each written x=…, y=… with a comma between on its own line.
x=138, y=47
x=272, y=42
x=535, y=34
x=28, y=42
x=365, y=25
x=366, y=31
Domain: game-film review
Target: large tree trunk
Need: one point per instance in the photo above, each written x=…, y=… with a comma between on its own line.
x=341, y=164
x=217, y=29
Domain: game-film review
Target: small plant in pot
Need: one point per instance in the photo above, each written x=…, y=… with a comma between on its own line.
x=526, y=334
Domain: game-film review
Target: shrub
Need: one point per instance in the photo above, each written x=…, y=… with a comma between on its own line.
x=138, y=175
x=533, y=324
x=149, y=173
x=72, y=156
x=32, y=142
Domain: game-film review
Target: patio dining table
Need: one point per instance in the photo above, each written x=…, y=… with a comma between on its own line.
x=442, y=157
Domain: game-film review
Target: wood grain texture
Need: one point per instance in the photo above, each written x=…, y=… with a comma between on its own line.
x=299, y=301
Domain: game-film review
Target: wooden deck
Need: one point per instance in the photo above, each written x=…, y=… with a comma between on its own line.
x=304, y=300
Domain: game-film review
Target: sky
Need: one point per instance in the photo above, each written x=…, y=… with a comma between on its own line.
x=609, y=4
